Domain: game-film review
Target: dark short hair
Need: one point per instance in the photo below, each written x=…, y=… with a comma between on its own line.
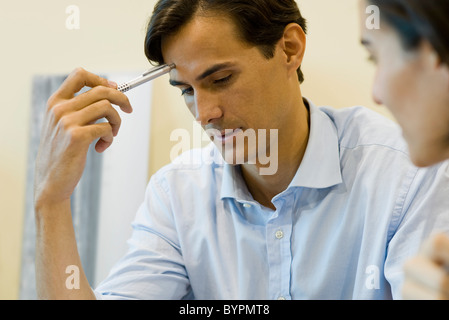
x=416, y=20
x=260, y=22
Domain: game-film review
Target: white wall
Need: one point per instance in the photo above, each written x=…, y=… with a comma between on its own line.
x=35, y=40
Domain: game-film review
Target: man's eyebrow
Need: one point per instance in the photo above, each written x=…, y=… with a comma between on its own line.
x=205, y=74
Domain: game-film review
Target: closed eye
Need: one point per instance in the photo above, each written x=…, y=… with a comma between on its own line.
x=189, y=90
x=223, y=80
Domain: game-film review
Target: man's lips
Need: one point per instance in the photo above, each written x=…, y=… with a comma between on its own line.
x=225, y=136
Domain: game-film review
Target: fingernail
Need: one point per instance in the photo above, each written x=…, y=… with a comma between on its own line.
x=112, y=84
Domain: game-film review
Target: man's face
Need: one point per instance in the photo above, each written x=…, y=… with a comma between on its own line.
x=228, y=85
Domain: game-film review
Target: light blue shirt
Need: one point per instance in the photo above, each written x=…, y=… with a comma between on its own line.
x=354, y=212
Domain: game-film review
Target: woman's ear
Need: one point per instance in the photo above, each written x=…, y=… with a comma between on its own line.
x=293, y=44
x=443, y=67
x=434, y=61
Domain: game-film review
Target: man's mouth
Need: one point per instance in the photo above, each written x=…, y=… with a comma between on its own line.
x=226, y=136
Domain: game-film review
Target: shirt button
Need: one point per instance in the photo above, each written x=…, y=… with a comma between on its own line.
x=281, y=298
x=279, y=234
x=247, y=205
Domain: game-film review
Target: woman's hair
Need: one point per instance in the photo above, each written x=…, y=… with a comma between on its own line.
x=417, y=20
x=259, y=22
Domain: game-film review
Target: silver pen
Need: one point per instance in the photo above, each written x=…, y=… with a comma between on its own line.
x=147, y=76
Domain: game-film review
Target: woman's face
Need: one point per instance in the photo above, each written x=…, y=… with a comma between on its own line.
x=414, y=85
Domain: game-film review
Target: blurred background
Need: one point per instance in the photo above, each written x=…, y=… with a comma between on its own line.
x=36, y=40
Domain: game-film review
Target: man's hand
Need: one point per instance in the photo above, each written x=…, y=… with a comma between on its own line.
x=70, y=126
x=427, y=274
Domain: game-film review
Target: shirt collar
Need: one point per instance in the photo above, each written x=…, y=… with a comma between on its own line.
x=319, y=169
x=233, y=185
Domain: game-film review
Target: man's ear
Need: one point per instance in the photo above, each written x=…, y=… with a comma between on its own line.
x=293, y=44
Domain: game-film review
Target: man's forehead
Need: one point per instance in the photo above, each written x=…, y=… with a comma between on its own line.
x=205, y=33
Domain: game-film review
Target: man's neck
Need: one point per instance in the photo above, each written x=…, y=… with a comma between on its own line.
x=293, y=140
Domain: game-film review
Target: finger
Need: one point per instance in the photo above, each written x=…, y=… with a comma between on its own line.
x=101, y=131
x=78, y=79
x=427, y=273
x=95, y=112
x=437, y=249
x=101, y=93
x=103, y=144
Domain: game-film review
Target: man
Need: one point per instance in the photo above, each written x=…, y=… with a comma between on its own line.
x=336, y=220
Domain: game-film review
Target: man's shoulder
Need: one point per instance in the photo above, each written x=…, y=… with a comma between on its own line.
x=359, y=126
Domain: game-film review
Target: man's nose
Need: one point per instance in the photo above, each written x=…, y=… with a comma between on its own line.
x=207, y=107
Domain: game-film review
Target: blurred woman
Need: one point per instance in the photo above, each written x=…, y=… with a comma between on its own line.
x=411, y=51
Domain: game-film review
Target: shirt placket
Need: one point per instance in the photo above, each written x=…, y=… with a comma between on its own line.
x=278, y=235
